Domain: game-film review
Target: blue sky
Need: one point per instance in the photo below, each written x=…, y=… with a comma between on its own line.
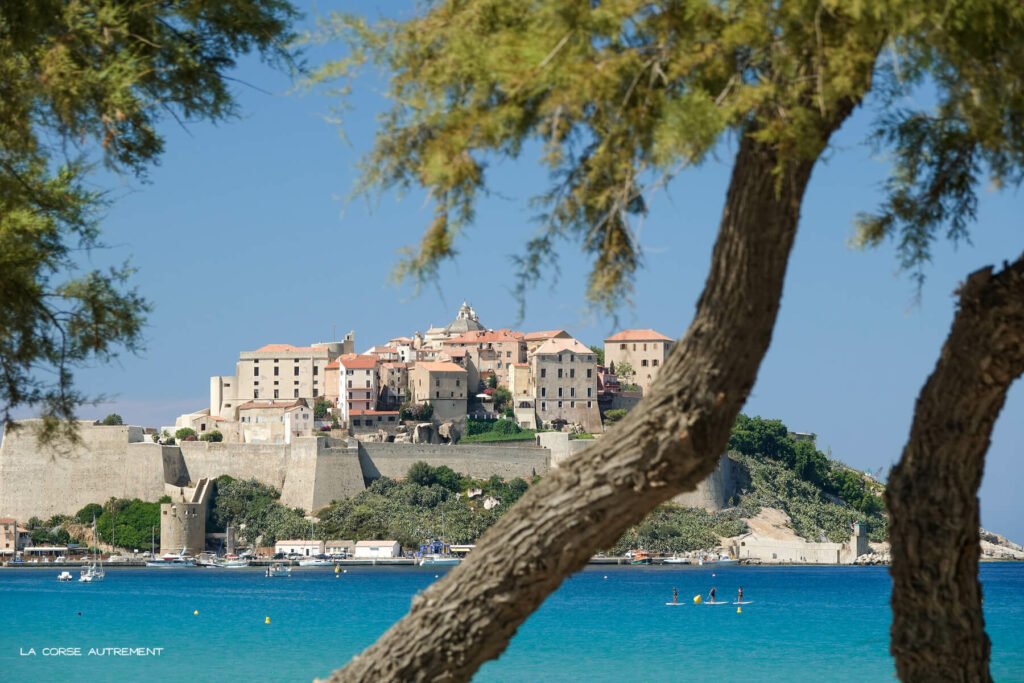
x=243, y=238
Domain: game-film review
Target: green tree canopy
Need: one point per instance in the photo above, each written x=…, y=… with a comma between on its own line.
x=85, y=82
x=113, y=419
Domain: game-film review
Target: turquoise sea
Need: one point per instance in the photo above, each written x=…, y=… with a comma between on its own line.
x=604, y=624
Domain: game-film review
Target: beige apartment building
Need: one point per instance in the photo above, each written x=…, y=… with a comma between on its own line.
x=489, y=351
x=8, y=536
x=274, y=421
x=644, y=350
x=443, y=385
x=276, y=372
x=357, y=390
x=563, y=373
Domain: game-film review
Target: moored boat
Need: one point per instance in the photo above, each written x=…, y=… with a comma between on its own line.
x=676, y=559
x=172, y=560
x=640, y=557
x=278, y=571
x=64, y=576
x=439, y=559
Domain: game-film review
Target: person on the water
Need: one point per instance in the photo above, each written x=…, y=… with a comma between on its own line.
x=711, y=595
x=675, y=595
x=739, y=596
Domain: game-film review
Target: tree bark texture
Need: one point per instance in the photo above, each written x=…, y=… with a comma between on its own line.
x=938, y=630
x=667, y=445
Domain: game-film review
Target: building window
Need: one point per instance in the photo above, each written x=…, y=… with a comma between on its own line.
x=367, y=394
x=296, y=393
x=572, y=373
x=255, y=372
x=559, y=393
x=643, y=363
x=590, y=373
x=559, y=404
x=452, y=394
x=572, y=391
x=255, y=393
x=367, y=384
x=276, y=395
x=356, y=423
x=350, y=395
x=457, y=382
x=589, y=389
x=437, y=382
x=559, y=373
x=654, y=362
x=622, y=347
x=437, y=394
x=276, y=370
x=572, y=404
x=543, y=373
x=588, y=404
x=350, y=384
x=508, y=354
x=295, y=370
x=543, y=391
x=543, y=405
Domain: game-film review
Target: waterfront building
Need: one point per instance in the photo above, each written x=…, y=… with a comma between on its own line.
x=443, y=385
x=563, y=373
x=377, y=549
x=305, y=547
x=8, y=536
x=644, y=350
x=357, y=378
x=340, y=547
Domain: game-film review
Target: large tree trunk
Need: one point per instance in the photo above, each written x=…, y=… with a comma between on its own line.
x=938, y=631
x=667, y=445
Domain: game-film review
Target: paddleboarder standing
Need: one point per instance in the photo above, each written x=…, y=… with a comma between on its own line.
x=739, y=596
x=675, y=595
x=711, y=595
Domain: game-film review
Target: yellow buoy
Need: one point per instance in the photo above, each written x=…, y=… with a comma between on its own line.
x=337, y=569
x=739, y=610
x=696, y=599
x=196, y=613
x=267, y=621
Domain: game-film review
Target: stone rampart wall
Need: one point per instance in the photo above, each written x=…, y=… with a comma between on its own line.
x=61, y=478
x=394, y=459
x=714, y=492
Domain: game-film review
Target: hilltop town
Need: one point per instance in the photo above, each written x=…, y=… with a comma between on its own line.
x=539, y=380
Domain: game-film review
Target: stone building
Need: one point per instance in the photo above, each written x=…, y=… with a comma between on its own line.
x=183, y=520
x=563, y=373
x=488, y=351
x=466, y=320
x=392, y=384
x=357, y=378
x=443, y=385
x=8, y=537
x=276, y=371
x=274, y=421
x=644, y=350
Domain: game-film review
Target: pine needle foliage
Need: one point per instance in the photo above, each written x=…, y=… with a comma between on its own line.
x=84, y=82
x=623, y=94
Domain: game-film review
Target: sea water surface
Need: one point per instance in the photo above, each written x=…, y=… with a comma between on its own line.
x=603, y=624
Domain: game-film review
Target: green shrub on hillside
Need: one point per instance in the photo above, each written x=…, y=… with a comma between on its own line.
x=674, y=529
x=214, y=436
x=129, y=523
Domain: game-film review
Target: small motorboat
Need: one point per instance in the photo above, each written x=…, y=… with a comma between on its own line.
x=65, y=576
x=439, y=560
x=278, y=571
x=676, y=559
x=641, y=557
x=722, y=560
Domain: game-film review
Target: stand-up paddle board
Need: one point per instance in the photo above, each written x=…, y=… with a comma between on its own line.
x=718, y=602
x=745, y=602
x=675, y=604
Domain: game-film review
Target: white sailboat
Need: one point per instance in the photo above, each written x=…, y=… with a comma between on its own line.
x=94, y=572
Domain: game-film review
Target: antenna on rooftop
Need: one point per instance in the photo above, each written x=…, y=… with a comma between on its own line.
x=334, y=332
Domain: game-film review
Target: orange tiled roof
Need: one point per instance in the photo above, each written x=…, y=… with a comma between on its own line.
x=439, y=366
x=546, y=334
x=638, y=335
x=475, y=337
x=559, y=345
x=355, y=361
x=270, y=348
x=335, y=364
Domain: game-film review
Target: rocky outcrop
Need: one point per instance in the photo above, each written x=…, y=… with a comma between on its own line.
x=448, y=432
